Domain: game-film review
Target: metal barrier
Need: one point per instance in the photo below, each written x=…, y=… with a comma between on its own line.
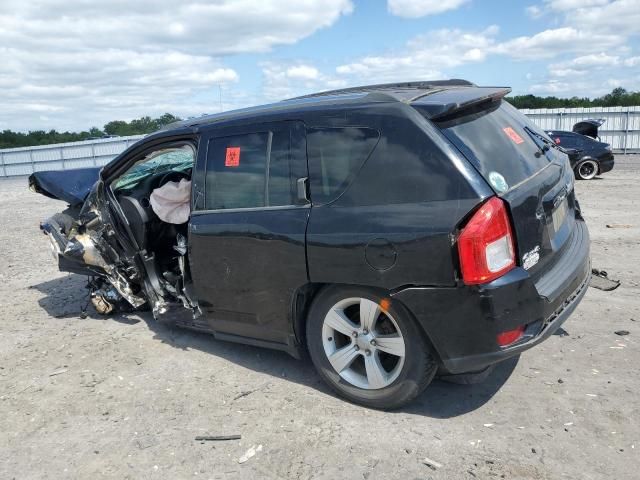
x=62, y=156
x=621, y=130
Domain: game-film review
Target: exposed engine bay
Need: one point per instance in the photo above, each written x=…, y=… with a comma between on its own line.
x=128, y=235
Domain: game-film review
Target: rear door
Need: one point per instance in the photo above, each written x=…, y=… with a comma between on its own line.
x=534, y=179
x=247, y=230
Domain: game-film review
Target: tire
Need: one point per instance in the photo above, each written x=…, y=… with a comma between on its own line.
x=586, y=169
x=373, y=376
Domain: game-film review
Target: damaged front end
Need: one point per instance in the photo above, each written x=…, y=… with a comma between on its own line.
x=91, y=239
x=81, y=242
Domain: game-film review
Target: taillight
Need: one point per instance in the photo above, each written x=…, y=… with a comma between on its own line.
x=486, y=244
x=509, y=337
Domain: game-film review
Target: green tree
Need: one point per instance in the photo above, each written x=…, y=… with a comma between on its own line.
x=619, y=97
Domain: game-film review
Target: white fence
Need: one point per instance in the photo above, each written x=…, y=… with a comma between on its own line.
x=621, y=130
x=62, y=156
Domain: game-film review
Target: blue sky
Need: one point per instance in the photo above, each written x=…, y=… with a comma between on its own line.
x=74, y=64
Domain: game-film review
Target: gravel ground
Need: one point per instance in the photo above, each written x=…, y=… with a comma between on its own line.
x=123, y=397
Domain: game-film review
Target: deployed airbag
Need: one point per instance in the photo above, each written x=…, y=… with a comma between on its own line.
x=171, y=201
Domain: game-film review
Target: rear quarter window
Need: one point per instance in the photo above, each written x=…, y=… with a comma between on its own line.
x=495, y=140
x=335, y=156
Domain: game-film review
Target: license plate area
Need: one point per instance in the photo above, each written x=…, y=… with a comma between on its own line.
x=559, y=214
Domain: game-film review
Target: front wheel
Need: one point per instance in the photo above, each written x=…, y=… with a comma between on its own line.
x=586, y=170
x=368, y=348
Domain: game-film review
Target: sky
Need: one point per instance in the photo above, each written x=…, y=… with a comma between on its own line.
x=74, y=64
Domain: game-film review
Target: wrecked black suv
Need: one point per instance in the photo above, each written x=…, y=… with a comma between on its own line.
x=392, y=231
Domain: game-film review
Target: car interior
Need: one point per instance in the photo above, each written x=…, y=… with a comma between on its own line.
x=165, y=242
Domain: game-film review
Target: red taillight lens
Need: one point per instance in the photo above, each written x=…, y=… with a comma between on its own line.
x=486, y=244
x=507, y=338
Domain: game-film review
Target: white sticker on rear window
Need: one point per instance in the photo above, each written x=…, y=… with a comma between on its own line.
x=498, y=182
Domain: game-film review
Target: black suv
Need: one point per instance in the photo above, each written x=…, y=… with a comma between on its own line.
x=392, y=231
x=588, y=155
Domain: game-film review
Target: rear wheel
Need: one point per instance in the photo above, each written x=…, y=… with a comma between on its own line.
x=368, y=348
x=586, y=170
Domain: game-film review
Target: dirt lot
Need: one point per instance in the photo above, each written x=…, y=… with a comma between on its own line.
x=124, y=397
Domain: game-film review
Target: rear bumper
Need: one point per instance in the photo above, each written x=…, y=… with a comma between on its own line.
x=605, y=163
x=463, y=322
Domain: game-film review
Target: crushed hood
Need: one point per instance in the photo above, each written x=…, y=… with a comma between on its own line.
x=72, y=186
x=588, y=127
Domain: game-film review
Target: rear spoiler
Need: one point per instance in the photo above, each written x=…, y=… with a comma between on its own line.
x=451, y=102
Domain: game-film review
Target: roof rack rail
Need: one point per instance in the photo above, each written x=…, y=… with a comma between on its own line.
x=425, y=85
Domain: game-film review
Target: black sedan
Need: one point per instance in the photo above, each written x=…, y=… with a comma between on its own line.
x=588, y=155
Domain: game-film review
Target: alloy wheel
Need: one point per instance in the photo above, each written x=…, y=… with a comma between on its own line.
x=363, y=343
x=587, y=169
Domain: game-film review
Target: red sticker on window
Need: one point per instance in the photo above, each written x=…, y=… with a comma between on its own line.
x=232, y=158
x=511, y=133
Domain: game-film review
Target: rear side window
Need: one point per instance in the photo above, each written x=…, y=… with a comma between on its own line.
x=496, y=142
x=250, y=170
x=335, y=157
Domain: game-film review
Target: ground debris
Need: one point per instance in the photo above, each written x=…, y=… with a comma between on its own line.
x=619, y=225
x=432, y=464
x=250, y=453
x=217, y=438
x=58, y=372
x=600, y=280
x=249, y=392
x=622, y=333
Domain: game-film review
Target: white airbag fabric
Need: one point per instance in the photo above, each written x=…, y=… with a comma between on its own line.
x=171, y=201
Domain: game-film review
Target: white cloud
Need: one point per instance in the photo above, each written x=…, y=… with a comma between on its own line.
x=603, y=16
x=303, y=72
x=620, y=17
x=85, y=63
x=424, y=58
x=421, y=8
x=211, y=28
x=566, y=72
x=285, y=80
x=596, y=60
x=564, y=5
x=551, y=87
x=88, y=88
x=632, y=62
x=534, y=12
x=552, y=42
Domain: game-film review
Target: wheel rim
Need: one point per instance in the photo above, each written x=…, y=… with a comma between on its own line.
x=588, y=169
x=363, y=343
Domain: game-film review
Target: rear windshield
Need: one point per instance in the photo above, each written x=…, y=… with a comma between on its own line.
x=496, y=142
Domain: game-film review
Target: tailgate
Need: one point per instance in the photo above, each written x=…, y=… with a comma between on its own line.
x=520, y=164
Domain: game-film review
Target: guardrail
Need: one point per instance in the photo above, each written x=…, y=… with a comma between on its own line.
x=621, y=130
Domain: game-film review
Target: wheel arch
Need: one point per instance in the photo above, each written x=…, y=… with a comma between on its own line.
x=306, y=295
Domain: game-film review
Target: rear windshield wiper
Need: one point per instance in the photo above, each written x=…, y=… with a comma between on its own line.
x=546, y=143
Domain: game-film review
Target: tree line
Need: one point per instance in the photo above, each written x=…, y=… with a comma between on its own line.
x=120, y=128
x=619, y=97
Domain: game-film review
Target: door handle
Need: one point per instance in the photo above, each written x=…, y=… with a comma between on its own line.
x=303, y=190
